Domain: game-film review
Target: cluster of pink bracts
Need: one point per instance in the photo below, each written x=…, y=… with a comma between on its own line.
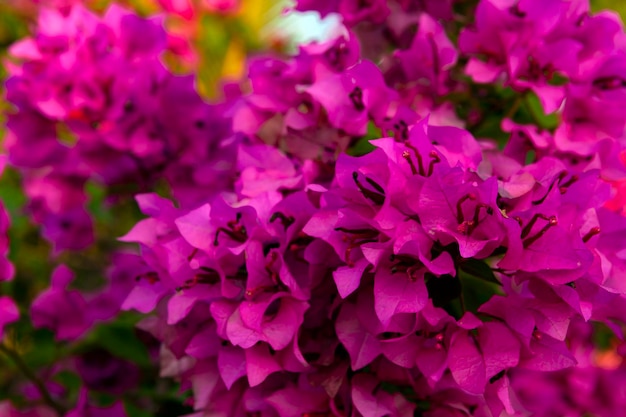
x=299, y=273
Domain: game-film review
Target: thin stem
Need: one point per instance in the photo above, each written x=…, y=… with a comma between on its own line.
x=533, y=114
x=515, y=107
x=30, y=375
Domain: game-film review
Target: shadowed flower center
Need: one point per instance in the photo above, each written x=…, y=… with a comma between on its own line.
x=336, y=56
x=356, y=238
x=208, y=276
x=563, y=186
x=152, y=277
x=400, y=131
x=356, y=96
x=285, y=220
x=234, y=230
x=406, y=264
x=609, y=83
x=466, y=226
x=377, y=197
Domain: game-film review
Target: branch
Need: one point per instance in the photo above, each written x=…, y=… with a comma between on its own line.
x=30, y=375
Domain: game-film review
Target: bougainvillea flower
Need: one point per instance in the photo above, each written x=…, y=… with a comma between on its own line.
x=60, y=309
x=10, y=313
x=351, y=97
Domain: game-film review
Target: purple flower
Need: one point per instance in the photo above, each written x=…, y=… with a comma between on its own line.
x=10, y=313
x=60, y=309
x=299, y=279
x=526, y=40
x=429, y=57
x=352, y=97
x=95, y=102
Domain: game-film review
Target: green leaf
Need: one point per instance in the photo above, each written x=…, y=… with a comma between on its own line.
x=97, y=204
x=490, y=128
x=476, y=291
x=72, y=383
x=616, y=5
x=134, y=411
x=119, y=339
x=42, y=348
x=479, y=269
x=537, y=115
x=603, y=336
x=363, y=145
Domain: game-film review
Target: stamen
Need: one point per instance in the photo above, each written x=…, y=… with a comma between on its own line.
x=236, y=231
x=375, y=197
x=406, y=155
x=357, y=238
x=551, y=222
x=356, y=96
x=241, y=275
x=375, y=185
x=418, y=156
x=406, y=264
x=468, y=226
x=192, y=255
x=487, y=208
x=434, y=159
x=591, y=233
x=412, y=270
x=353, y=245
x=563, y=188
x=299, y=243
x=526, y=230
x=239, y=236
x=209, y=276
x=285, y=220
x=558, y=180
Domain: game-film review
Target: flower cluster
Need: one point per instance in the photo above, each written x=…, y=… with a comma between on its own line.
x=95, y=103
x=348, y=238
x=276, y=281
x=406, y=232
